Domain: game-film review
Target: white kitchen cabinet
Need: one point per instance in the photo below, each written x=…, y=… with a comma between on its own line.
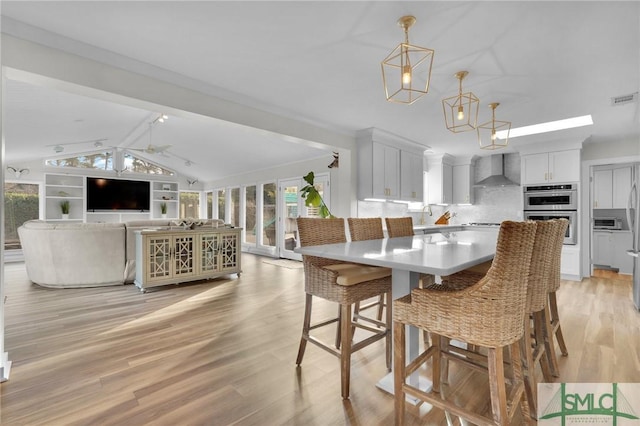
x=602, y=194
x=570, y=262
x=602, y=248
x=389, y=167
x=611, y=187
x=621, y=241
x=551, y=167
x=621, y=188
x=386, y=171
x=411, y=176
x=463, y=184
x=610, y=249
x=439, y=180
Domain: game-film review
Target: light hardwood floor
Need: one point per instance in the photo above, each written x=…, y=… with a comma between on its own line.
x=223, y=351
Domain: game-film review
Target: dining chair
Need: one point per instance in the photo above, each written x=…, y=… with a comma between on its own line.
x=361, y=229
x=553, y=327
x=489, y=314
x=345, y=284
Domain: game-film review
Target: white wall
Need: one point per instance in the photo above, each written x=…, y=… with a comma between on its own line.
x=600, y=151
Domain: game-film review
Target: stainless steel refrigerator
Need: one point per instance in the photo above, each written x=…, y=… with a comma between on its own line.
x=633, y=219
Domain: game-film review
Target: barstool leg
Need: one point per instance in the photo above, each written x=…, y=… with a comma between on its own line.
x=527, y=363
x=389, y=322
x=399, y=354
x=550, y=348
x=345, y=352
x=553, y=303
x=306, y=324
x=518, y=377
x=497, y=386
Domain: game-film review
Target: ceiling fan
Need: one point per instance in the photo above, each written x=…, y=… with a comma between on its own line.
x=152, y=149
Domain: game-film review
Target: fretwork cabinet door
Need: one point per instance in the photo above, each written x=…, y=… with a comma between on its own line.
x=184, y=260
x=209, y=258
x=158, y=253
x=229, y=250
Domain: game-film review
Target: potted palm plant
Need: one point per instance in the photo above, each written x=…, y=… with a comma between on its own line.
x=64, y=207
x=163, y=210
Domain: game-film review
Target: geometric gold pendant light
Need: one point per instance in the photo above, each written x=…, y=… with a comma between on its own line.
x=461, y=111
x=406, y=71
x=487, y=132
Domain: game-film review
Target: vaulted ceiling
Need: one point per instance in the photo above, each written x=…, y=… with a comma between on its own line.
x=319, y=62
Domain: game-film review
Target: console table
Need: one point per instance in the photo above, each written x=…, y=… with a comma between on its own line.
x=171, y=256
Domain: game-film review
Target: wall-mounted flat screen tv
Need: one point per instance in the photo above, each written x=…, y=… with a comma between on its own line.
x=117, y=194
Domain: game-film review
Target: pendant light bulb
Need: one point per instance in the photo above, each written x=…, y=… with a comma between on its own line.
x=493, y=134
x=406, y=74
x=460, y=113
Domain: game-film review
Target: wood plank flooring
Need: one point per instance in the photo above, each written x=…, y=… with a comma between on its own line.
x=223, y=352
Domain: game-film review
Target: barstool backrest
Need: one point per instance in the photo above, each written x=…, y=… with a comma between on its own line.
x=361, y=229
x=399, y=226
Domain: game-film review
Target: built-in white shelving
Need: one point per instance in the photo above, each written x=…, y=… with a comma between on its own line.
x=164, y=192
x=59, y=188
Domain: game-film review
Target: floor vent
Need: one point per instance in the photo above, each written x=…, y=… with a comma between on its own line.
x=626, y=99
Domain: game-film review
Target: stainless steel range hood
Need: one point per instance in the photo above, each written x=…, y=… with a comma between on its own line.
x=496, y=177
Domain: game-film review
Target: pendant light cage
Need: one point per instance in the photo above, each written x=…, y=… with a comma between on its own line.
x=488, y=132
x=461, y=111
x=406, y=71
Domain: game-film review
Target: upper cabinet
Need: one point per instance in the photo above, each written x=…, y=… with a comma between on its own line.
x=411, y=176
x=386, y=171
x=439, y=180
x=389, y=167
x=551, y=167
x=463, y=183
x=611, y=187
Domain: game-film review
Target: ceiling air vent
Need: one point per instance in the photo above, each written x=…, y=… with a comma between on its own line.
x=626, y=99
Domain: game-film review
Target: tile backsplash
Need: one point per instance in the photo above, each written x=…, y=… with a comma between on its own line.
x=492, y=204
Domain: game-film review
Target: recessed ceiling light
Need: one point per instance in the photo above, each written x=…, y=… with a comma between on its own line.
x=551, y=126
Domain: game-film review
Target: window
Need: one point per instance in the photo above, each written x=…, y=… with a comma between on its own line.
x=98, y=161
x=221, y=195
x=250, y=214
x=21, y=203
x=189, y=204
x=209, y=204
x=134, y=164
x=235, y=207
x=269, y=214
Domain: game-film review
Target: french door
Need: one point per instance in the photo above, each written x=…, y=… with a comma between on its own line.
x=291, y=206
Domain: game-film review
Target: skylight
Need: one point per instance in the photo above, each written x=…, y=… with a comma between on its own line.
x=550, y=126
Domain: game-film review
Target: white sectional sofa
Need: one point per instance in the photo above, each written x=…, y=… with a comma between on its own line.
x=71, y=255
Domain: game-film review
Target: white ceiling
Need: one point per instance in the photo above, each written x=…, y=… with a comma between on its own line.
x=320, y=62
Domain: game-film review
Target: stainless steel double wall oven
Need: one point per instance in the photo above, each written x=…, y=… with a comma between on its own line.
x=545, y=202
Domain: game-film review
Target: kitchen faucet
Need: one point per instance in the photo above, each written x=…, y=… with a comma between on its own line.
x=426, y=206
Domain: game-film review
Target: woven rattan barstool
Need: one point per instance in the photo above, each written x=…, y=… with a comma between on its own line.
x=552, y=317
x=489, y=314
x=322, y=278
x=361, y=229
x=533, y=343
x=399, y=226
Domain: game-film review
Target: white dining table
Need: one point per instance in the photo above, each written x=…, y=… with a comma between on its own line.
x=442, y=253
